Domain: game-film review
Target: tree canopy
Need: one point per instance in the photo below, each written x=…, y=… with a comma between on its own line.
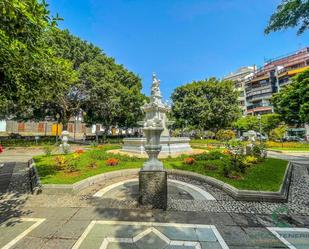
x=29, y=70
x=290, y=13
x=268, y=122
x=292, y=102
x=207, y=105
x=45, y=71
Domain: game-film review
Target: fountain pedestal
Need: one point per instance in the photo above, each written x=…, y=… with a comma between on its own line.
x=152, y=176
x=153, y=188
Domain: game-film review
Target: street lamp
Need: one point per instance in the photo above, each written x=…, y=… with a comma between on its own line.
x=57, y=117
x=260, y=127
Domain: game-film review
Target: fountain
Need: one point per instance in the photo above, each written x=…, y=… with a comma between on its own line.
x=169, y=145
x=152, y=176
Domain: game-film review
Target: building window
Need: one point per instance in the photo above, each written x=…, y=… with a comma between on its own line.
x=21, y=127
x=41, y=127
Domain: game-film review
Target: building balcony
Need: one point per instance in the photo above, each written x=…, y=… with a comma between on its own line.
x=259, y=90
x=264, y=96
x=253, y=106
x=260, y=108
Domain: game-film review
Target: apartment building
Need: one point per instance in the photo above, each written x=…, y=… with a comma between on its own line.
x=239, y=78
x=269, y=79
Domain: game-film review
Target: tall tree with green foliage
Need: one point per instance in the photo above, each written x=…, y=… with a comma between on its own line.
x=290, y=13
x=247, y=123
x=206, y=105
x=105, y=91
x=67, y=97
x=29, y=70
x=268, y=122
x=292, y=102
x=279, y=132
x=114, y=97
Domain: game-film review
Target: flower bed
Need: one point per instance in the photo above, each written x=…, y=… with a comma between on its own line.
x=264, y=175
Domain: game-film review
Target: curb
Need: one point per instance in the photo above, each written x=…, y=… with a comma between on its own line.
x=78, y=186
x=34, y=179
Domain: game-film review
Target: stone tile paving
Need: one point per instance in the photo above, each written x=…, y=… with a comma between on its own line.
x=294, y=238
x=298, y=202
x=15, y=229
x=65, y=225
x=140, y=235
x=242, y=225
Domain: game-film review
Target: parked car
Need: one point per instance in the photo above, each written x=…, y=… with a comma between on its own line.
x=261, y=137
x=293, y=138
x=251, y=133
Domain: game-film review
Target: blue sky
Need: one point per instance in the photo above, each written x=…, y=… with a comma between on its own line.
x=180, y=40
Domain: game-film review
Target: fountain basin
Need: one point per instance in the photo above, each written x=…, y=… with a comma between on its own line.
x=170, y=145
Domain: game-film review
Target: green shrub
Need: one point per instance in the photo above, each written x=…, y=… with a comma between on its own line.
x=71, y=166
x=48, y=150
x=60, y=162
x=210, y=166
x=249, y=161
x=92, y=165
x=259, y=150
x=225, y=135
x=226, y=170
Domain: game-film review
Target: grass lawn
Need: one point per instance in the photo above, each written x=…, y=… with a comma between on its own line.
x=266, y=176
x=301, y=149
x=50, y=174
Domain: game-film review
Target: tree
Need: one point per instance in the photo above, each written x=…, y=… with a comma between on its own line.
x=206, y=104
x=225, y=135
x=247, y=123
x=114, y=97
x=279, y=132
x=68, y=96
x=99, y=88
x=268, y=122
x=45, y=71
x=290, y=13
x=29, y=71
x=292, y=100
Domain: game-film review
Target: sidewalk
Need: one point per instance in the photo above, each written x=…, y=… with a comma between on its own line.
x=19, y=154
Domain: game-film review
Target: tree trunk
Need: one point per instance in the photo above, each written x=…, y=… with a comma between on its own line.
x=65, y=120
x=105, y=133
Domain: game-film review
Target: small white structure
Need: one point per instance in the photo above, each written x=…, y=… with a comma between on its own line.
x=2, y=125
x=65, y=138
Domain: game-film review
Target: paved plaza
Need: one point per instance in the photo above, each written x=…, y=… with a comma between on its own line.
x=95, y=227
x=107, y=215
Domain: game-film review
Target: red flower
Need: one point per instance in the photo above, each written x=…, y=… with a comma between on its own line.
x=112, y=162
x=79, y=151
x=1, y=149
x=189, y=160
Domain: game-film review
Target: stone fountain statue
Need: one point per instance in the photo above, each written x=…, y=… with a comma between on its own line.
x=170, y=145
x=154, y=125
x=152, y=177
